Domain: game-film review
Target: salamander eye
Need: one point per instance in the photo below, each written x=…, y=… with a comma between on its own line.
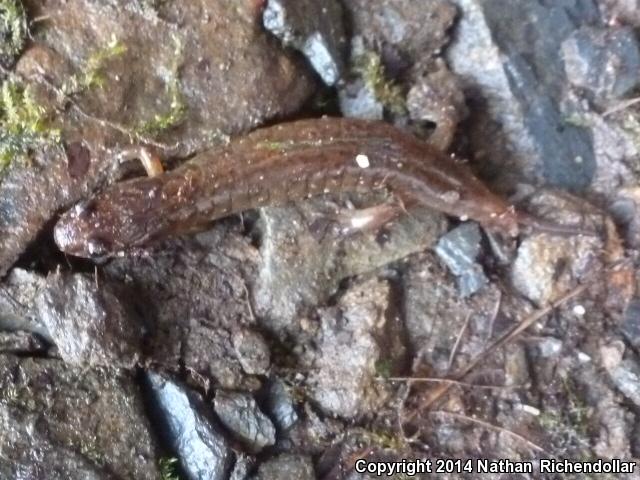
x=97, y=247
x=84, y=209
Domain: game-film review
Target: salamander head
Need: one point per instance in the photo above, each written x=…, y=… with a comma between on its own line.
x=102, y=227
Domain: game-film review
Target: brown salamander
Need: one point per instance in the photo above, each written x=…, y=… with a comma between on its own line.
x=276, y=165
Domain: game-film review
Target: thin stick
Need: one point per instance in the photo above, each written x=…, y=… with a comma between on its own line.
x=449, y=381
x=621, y=106
x=505, y=338
x=493, y=427
x=454, y=350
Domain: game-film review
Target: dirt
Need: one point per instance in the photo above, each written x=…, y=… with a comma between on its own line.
x=273, y=346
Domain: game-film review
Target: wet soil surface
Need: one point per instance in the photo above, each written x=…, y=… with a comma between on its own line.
x=275, y=345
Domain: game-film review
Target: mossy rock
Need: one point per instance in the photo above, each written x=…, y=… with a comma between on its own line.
x=13, y=30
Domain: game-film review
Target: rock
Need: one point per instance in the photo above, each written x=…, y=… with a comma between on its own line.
x=631, y=324
x=519, y=94
x=210, y=60
x=252, y=351
x=314, y=28
x=286, y=466
x=437, y=98
x=407, y=31
x=548, y=265
x=436, y=315
x=301, y=268
x=549, y=347
x=88, y=322
x=17, y=298
x=604, y=61
x=22, y=343
x=625, y=11
x=279, y=405
x=239, y=412
x=459, y=250
x=242, y=467
x=62, y=423
x=357, y=100
x=343, y=375
x=624, y=373
x=197, y=300
x=198, y=442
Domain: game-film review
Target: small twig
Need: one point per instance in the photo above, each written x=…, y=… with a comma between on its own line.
x=505, y=338
x=454, y=350
x=621, y=106
x=493, y=427
x=450, y=381
x=494, y=315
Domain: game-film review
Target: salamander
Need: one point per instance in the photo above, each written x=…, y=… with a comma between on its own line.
x=273, y=166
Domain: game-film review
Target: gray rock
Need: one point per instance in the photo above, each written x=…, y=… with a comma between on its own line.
x=343, y=376
x=239, y=412
x=357, y=100
x=21, y=343
x=286, y=467
x=301, y=268
x=280, y=405
x=631, y=324
x=252, y=351
x=242, y=467
x=624, y=373
x=88, y=322
x=436, y=314
x=199, y=444
x=604, y=61
x=459, y=250
x=407, y=30
x=314, y=28
x=521, y=127
x=548, y=265
x=17, y=302
x=61, y=423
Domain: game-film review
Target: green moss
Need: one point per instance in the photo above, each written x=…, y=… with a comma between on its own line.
x=369, y=66
x=92, y=73
x=23, y=123
x=168, y=468
x=176, y=113
x=13, y=30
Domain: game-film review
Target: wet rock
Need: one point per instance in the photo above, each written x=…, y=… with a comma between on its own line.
x=195, y=438
x=88, y=322
x=437, y=98
x=239, y=412
x=197, y=300
x=548, y=265
x=604, y=61
x=459, y=250
x=314, y=28
x=279, y=405
x=210, y=60
x=406, y=30
x=252, y=351
x=631, y=323
x=301, y=268
x=285, y=467
x=60, y=423
x=519, y=94
x=343, y=375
